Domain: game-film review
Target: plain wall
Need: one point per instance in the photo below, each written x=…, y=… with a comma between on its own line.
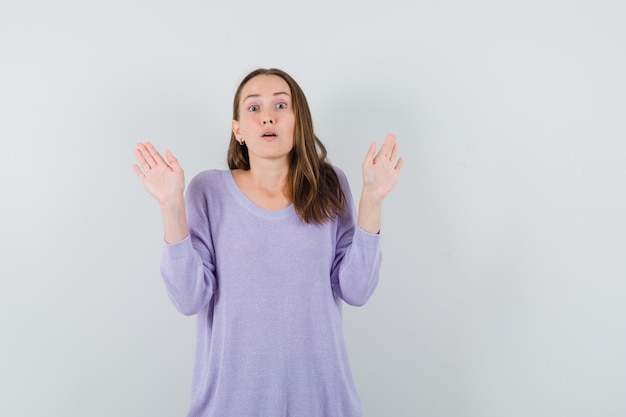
x=503, y=287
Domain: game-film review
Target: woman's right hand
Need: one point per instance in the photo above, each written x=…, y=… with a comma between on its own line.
x=164, y=180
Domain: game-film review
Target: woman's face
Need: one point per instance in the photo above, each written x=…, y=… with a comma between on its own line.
x=266, y=118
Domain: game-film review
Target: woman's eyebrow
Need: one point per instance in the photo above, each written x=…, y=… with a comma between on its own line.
x=280, y=93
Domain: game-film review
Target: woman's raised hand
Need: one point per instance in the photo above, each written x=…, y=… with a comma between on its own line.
x=164, y=180
x=380, y=175
x=380, y=171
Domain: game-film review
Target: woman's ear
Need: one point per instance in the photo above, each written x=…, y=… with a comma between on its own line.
x=236, y=130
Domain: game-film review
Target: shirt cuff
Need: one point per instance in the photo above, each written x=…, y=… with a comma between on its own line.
x=179, y=249
x=365, y=239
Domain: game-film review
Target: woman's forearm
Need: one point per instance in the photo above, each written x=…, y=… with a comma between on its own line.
x=174, y=220
x=370, y=212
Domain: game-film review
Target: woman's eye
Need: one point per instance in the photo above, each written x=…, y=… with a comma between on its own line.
x=281, y=106
x=254, y=107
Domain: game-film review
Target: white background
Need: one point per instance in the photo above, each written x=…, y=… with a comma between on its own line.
x=503, y=289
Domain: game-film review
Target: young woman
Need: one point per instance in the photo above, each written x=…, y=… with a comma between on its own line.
x=265, y=253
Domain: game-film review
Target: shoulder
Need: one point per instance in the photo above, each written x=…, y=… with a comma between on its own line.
x=341, y=176
x=339, y=172
x=211, y=179
x=210, y=176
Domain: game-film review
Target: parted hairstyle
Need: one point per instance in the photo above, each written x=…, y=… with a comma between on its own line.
x=312, y=183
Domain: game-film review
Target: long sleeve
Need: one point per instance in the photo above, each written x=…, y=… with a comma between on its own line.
x=358, y=257
x=188, y=266
x=269, y=316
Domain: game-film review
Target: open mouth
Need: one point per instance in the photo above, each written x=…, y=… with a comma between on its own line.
x=269, y=135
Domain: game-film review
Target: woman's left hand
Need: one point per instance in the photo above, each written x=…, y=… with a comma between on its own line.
x=381, y=170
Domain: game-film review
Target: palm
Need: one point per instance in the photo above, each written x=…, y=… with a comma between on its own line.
x=380, y=172
x=164, y=180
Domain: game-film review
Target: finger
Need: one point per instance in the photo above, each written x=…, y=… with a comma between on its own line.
x=145, y=157
x=369, y=157
x=385, y=149
x=138, y=171
x=394, y=152
x=399, y=164
x=141, y=157
x=171, y=160
x=154, y=153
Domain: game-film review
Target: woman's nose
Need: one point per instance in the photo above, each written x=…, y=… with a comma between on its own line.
x=267, y=117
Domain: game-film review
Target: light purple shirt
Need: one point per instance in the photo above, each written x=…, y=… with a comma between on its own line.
x=267, y=290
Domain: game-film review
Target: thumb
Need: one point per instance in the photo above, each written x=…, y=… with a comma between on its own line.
x=172, y=160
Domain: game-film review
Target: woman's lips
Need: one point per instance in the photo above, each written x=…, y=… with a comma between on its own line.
x=268, y=135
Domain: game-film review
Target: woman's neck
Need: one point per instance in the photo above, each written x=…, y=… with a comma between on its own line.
x=269, y=177
x=265, y=184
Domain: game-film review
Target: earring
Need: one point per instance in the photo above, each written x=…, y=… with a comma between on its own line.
x=241, y=142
